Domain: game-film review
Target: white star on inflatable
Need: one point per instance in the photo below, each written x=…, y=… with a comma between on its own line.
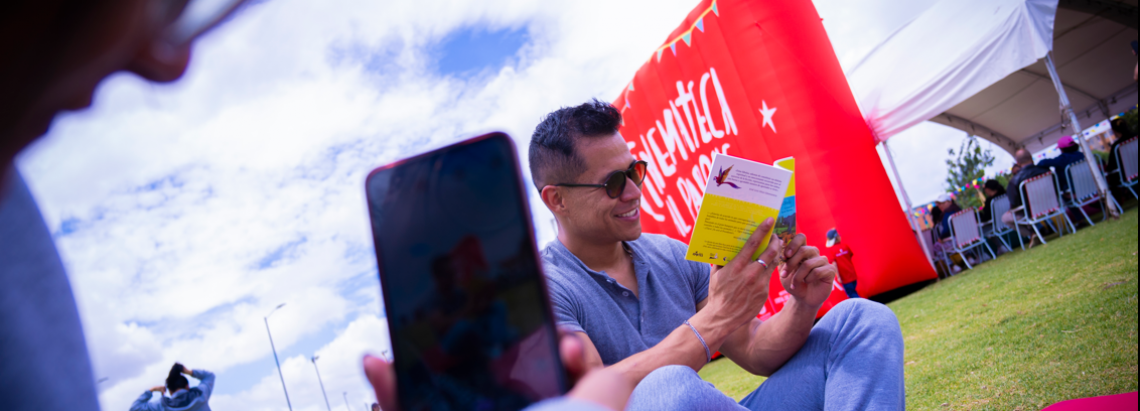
x=767, y=113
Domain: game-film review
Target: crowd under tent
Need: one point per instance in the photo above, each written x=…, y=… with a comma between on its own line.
x=1018, y=73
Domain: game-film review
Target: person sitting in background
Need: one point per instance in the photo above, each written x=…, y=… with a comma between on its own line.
x=948, y=207
x=182, y=397
x=840, y=255
x=1070, y=153
x=1122, y=132
x=944, y=207
x=935, y=219
x=992, y=189
x=1026, y=170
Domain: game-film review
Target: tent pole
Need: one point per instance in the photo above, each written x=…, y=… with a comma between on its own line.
x=1067, y=110
x=909, y=208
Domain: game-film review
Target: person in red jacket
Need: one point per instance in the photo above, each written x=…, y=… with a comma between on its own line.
x=841, y=254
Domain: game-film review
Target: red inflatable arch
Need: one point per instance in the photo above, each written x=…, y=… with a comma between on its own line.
x=760, y=80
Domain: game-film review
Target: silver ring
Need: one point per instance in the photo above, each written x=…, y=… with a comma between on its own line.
x=762, y=263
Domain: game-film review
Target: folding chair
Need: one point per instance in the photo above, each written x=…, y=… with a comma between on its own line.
x=938, y=252
x=965, y=234
x=1126, y=164
x=1082, y=189
x=998, y=207
x=1042, y=203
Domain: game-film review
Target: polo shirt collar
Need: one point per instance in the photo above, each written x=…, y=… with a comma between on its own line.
x=640, y=266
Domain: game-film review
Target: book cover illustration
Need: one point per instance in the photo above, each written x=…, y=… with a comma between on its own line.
x=786, y=220
x=739, y=195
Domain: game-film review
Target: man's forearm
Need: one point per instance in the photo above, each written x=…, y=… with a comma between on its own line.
x=680, y=347
x=772, y=343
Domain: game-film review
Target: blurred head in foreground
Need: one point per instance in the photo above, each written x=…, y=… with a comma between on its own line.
x=56, y=52
x=575, y=155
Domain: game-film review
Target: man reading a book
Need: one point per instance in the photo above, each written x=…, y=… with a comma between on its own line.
x=642, y=309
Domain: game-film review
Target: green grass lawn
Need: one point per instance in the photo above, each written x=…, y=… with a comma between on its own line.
x=1027, y=330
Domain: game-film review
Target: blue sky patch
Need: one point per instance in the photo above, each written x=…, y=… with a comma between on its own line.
x=285, y=251
x=470, y=51
x=68, y=226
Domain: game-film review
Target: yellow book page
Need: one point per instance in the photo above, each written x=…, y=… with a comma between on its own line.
x=723, y=226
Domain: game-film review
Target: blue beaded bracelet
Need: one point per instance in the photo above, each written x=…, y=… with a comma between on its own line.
x=708, y=353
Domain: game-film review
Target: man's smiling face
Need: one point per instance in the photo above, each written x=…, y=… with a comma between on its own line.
x=592, y=214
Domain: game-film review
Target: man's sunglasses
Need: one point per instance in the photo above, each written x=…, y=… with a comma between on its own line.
x=615, y=182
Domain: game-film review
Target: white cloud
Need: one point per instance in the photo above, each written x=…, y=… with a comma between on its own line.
x=186, y=212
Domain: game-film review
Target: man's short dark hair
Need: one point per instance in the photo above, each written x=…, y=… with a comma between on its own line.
x=554, y=156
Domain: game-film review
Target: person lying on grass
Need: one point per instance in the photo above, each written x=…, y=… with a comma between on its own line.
x=643, y=310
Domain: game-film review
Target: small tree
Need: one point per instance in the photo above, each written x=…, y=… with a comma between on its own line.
x=1131, y=118
x=966, y=166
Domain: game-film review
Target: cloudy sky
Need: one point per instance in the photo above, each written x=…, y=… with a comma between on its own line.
x=186, y=212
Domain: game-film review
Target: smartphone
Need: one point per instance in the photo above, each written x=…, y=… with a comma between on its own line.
x=467, y=305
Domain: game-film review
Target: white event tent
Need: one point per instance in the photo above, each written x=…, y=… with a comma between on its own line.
x=1019, y=73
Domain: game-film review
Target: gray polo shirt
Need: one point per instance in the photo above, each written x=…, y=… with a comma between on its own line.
x=619, y=322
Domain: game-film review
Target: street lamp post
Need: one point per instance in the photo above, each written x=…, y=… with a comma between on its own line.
x=321, y=382
x=266, y=318
x=346, y=401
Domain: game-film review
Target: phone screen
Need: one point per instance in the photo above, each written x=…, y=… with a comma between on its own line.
x=466, y=302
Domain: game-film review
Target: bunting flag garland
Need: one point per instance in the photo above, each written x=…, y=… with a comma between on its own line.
x=976, y=185
x=687, y=36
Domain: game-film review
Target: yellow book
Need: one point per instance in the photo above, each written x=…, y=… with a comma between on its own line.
x=739, y=195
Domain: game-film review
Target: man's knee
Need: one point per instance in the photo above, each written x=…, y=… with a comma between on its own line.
x=669, y=377
x=674, y=387
x=867, y=315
